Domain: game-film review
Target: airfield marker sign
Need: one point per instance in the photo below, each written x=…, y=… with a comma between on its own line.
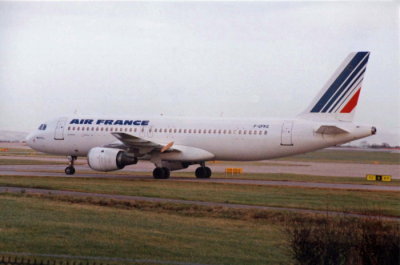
x=379, y=177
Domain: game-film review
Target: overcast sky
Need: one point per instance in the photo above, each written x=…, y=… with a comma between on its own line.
x=236, y=59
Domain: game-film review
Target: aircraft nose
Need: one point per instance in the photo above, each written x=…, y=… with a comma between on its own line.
x=30, y=140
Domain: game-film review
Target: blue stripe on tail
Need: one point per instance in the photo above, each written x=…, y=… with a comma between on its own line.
x=327, y=97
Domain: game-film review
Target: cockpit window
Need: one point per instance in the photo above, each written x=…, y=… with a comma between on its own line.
x=42, y=127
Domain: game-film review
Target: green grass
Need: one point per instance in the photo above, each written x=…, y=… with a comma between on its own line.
x=346, y=156
x=306, y=198
x=41, y=226
x=283, y=177
x=248, y=176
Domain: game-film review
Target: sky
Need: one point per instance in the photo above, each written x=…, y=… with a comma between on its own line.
x=208, y=59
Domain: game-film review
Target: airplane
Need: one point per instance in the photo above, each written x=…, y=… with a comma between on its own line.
x=176, y=143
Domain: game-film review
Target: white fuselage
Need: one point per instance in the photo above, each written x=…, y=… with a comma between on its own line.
x=226, y=139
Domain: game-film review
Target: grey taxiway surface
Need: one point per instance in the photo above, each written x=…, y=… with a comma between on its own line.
x=57, y=171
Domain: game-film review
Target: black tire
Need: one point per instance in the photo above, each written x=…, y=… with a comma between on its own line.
x=69, y=170
x=166, y=172
x=158, y=173
x=208, y=170
x=201, y=173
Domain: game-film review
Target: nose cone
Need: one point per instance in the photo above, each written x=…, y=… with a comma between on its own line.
x=30, y=140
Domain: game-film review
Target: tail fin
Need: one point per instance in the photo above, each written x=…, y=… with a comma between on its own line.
x=338, y=99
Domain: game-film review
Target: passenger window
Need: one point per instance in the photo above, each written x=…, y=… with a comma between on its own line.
x=184, y=130
x=265, y=132
x=244, y=132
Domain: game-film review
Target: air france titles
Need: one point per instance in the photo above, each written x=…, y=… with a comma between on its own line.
x=110, y=122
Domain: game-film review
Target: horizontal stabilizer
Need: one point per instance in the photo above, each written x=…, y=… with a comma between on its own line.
x=330, y=129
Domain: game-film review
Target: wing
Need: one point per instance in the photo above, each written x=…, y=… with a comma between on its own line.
x=138, y=145
x=170, y=152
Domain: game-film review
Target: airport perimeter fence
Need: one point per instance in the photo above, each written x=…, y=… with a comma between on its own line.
x=14, y=260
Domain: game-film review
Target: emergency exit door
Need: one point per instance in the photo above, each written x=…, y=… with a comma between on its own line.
x=59, y=133
x=286, y=133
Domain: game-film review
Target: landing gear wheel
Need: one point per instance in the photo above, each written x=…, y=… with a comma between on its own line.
x=166, y=172
x=161, y=173
x=208, y=170
x=70, y=170
x=203, y=172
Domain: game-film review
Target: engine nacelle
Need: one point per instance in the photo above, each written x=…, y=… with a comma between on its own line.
x=109, y=159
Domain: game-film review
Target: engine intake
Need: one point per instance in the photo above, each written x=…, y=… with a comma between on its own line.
x=109, y=159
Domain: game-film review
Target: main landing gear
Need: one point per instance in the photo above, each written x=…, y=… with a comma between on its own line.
x=203, y=172
x=161, y=173
x=70, y=170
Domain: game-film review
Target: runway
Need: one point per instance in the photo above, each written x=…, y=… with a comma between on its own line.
x=43, y=171
x=267, y=166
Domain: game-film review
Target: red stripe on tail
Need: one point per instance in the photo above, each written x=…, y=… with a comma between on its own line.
x=352, y=103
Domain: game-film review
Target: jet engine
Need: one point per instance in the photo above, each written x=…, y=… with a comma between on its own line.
x=109, y=159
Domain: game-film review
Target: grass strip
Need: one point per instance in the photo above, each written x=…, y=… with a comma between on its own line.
x=35, y=225
x=384, y=202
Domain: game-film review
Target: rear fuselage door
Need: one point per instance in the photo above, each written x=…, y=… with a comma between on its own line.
x=59, y=133
x=286, y=133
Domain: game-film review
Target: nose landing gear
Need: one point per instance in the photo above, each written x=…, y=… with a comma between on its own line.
x=70, y=170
